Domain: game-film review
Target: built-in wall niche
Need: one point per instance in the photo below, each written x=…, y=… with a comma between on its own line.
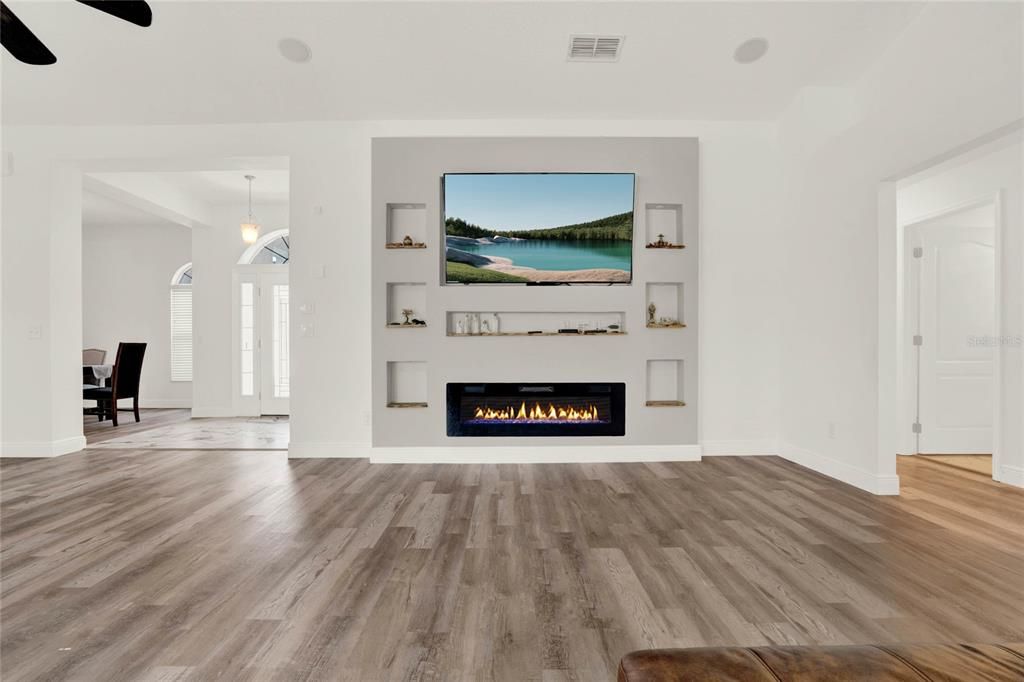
x=664, y=226
x=407, y=384
x=407, y=305
x=665, y=305
x=540, y=323
x=665, y=383
x=407, y=226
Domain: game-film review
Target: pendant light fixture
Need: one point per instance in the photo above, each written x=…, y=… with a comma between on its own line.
x=250, y=228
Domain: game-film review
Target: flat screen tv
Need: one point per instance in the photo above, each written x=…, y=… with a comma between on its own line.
x=538, y=228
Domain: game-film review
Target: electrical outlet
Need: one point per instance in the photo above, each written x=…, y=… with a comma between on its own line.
x=35, y=332
x=832, y=430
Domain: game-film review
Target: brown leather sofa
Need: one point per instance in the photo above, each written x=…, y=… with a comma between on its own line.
x=861, y=663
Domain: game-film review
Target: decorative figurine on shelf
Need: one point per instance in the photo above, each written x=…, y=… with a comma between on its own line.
x=406, y=313
x=407, y=241
x=662, y=244
x=418, y=323
x=651, y=310
x=485, y=326
x=460, y=327
x=497, y=324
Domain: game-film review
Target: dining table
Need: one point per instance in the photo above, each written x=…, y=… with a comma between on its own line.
x=101, y=372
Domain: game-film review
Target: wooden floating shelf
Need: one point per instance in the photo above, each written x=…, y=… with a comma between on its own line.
x=399, y=245
x=540, y=334
x=666, y=325
x=665, y=403
x=399, y=325
x=665, y=246
x=407, y=404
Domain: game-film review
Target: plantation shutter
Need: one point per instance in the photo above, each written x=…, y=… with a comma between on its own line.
x=181, y=333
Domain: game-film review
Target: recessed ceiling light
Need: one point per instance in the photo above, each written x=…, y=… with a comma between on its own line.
x=294, y=50
x=750, y=51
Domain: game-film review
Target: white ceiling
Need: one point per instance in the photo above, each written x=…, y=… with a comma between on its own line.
x=228, y=187
x=143, y=198
x=217, y=62
x=98, y=210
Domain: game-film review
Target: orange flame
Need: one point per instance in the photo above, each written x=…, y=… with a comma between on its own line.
x=538, y=413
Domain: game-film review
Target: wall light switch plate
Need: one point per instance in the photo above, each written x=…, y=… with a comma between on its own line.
x=318, y=210
x=319, y=271
x=307, y=330
x=307, y=308
x=35, y=332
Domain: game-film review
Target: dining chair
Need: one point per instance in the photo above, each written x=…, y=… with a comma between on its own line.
x=93, y=356
x=124, y=383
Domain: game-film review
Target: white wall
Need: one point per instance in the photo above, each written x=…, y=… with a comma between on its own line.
x=329, y=219
x=953, y=75
x=970, y=179
x=126, y=273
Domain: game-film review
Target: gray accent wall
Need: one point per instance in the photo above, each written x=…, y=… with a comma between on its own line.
x=406, y=182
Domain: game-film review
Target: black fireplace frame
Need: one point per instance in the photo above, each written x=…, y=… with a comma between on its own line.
x=541, y=392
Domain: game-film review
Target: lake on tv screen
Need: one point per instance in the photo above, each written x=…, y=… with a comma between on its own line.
x=559, y=255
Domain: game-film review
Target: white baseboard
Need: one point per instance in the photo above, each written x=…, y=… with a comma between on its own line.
x=555, y=454
x=767, y=446
x=207, y=412
x=165, y=403
x=304, y=450
x=1010, y=475
x=54, y=448
x=841, y=471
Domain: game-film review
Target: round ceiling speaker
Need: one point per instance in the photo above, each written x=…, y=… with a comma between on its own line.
x=294, y=50
x=751, y=50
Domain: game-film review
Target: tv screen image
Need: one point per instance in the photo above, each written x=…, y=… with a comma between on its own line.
x=552, y=228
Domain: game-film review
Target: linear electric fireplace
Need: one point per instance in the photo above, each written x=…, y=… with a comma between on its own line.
x=536, y=409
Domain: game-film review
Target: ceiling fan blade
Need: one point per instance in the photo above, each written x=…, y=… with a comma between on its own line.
x=136, y=12
x=21, y=42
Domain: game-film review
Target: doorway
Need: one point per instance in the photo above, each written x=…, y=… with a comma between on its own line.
x=262, y=312
x=951, y=321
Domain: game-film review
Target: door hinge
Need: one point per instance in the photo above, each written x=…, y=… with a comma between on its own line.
x=918, y=340
x=918, y=252
x=915, y=427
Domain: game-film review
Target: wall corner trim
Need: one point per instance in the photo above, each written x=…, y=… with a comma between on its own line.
x=54, y=448
x=877, y=484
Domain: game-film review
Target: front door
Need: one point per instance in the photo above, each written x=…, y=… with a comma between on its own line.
x=273, y=344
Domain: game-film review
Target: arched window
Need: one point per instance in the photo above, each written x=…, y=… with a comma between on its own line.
x=273, y=248
x=182, y=275
x=181, y=324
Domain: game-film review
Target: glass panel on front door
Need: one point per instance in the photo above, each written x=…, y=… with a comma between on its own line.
x=282, y=373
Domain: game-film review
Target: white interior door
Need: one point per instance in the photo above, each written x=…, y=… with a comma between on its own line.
x=957, y=323
x=273, y=347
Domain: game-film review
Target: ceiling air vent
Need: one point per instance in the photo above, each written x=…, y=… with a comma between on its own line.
x=590, y=48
